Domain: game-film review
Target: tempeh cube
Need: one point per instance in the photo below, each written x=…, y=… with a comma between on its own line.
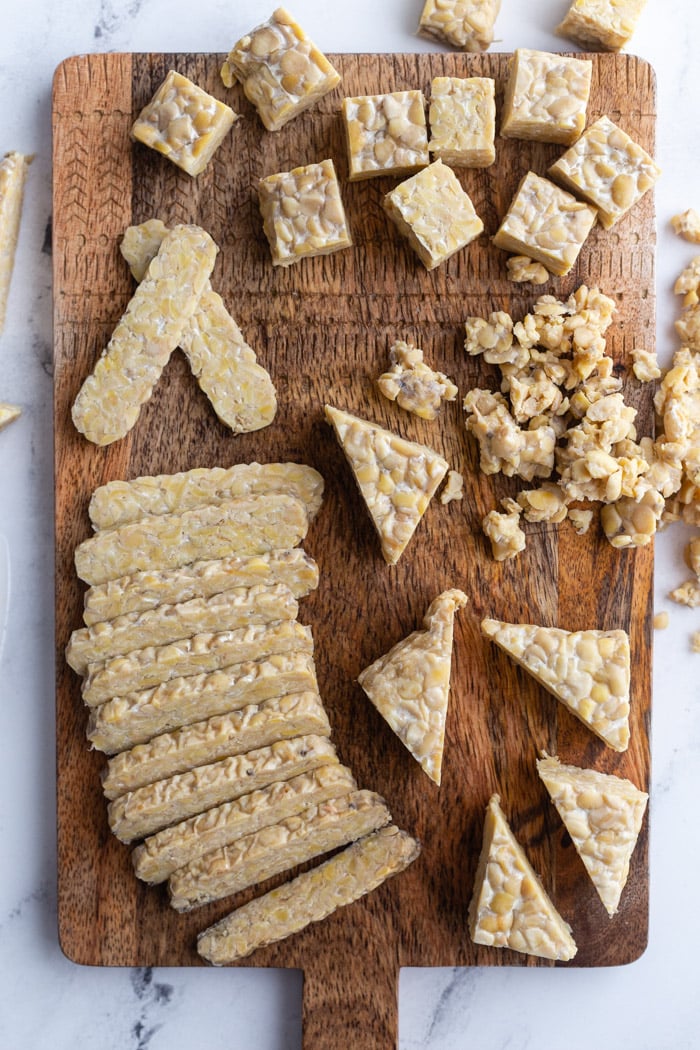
x=464, y=24
x=545, y=223
x=184, y=123
x=463, y=121
x=109, y=401
x=281, y=70
x=303, y=213
x=608, y=169
x=601, y=24
x=546, y=97
x=13, y=174
x=434, y=213
x=385, y=134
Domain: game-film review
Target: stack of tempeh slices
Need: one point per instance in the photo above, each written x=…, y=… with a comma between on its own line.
x=202, y=688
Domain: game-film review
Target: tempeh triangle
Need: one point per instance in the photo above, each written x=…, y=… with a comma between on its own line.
x=603, y=814
x=410, y=685
x=589, y=671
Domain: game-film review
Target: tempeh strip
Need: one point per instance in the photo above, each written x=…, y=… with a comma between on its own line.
x=240, y=390
x=162, y=854
x=13, y=173
x=145, y=590
x=248, y=525
x=120, y=502
x=310, y=897
x=137, y=717
x=250, y=728
x=156, y=806
x=230, y=611
x=109, y=401
x=254, y=858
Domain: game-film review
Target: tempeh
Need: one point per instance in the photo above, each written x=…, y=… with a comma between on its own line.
x=13, y=173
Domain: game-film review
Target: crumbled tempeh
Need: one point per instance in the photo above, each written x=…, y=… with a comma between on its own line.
x=589, y=671
x=509, y=906
x=687, y=225
x=522, y=269
x=8, y=414
x=464, y=24
x=608, y=169
x=546, y=97
x=692, y=555
x=256, y=857
x=309, y=897
x=661, y=621
x=503, y=445
x=493, y=339
x=413, y=385
x=410, y=685
x=580, y=519
x=645, y=365
x=601, y=24
x=282, y=72
x=454, y=487
x=397, y=478
x=385, y=134
x=688, y=283
x=14, y=168
x=303, y=214
x=603, y=814
x=504, y=532
x=547, y=503
x=688, y=327
x=463, y=121
x=184, y=123
x=632, y=522
x=434, y=213
x=687, y=594
x=695, y=642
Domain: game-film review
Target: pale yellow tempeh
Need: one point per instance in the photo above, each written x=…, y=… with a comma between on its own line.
x=248, y=525
x=603, y=814
x=13, y=174
x=309, y=897
x=156, y=806
x=8, y=414
x=240, y=654
x=147, y=589
x=256, y=857
x=121, y=502
x=509, y=907
x=410, y=685
x=240, y=390
x=204, y=742
x=229, y=611
x=162, y=854
x=109, y=401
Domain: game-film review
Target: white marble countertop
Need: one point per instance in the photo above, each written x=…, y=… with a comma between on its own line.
x=46, y=1000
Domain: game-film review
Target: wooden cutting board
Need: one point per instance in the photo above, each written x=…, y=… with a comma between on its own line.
x=323, y=328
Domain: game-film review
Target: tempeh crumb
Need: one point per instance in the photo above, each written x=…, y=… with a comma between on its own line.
x=687, y=225
x=661, y=621
x=454, y=488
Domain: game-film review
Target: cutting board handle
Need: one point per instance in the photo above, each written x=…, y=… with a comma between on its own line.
x=350, y=1001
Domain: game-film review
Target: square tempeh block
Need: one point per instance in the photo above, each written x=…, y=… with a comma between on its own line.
x=464, y=24
x=386, y=134
x=463, y=121
x=604, y=24
x=546, y=97
x=303, y=213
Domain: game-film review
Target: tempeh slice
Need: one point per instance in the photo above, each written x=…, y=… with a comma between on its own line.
x=13, y=174
x=239, y=652
x=145, y=590
x=254, y=858
x=156, y=806
x=240, y=390
x=110, y=399
x=231, y=610
x=137, y=717
x=248, y=729
x=120, y=502
x=310, y=897
x=246, y=525
x=162, y=854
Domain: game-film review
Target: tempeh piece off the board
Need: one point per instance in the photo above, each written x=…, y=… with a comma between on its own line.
x=156, y=806
x=13, y=174
x=237, y=733
x=162, y=854
x=121, y=502
x=310, y=897
x=253, y=525
x=240, y=390
x=147, y=589
x=257, y=857
x=110, y=399
x=231, y=610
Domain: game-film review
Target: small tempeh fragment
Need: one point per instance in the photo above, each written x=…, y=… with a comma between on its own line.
x=190, y=659
x=8, y=414
x=229, y=611
x=310, y=897
x=110, y=399
x=162, y=854
x=156, y=806
x=121, y=502
x=240, y=390
x=14, y=168
x=204, y=742
x=246, y=525
x=278, y=847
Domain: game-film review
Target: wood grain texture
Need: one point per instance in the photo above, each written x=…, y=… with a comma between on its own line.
x=323, y=329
